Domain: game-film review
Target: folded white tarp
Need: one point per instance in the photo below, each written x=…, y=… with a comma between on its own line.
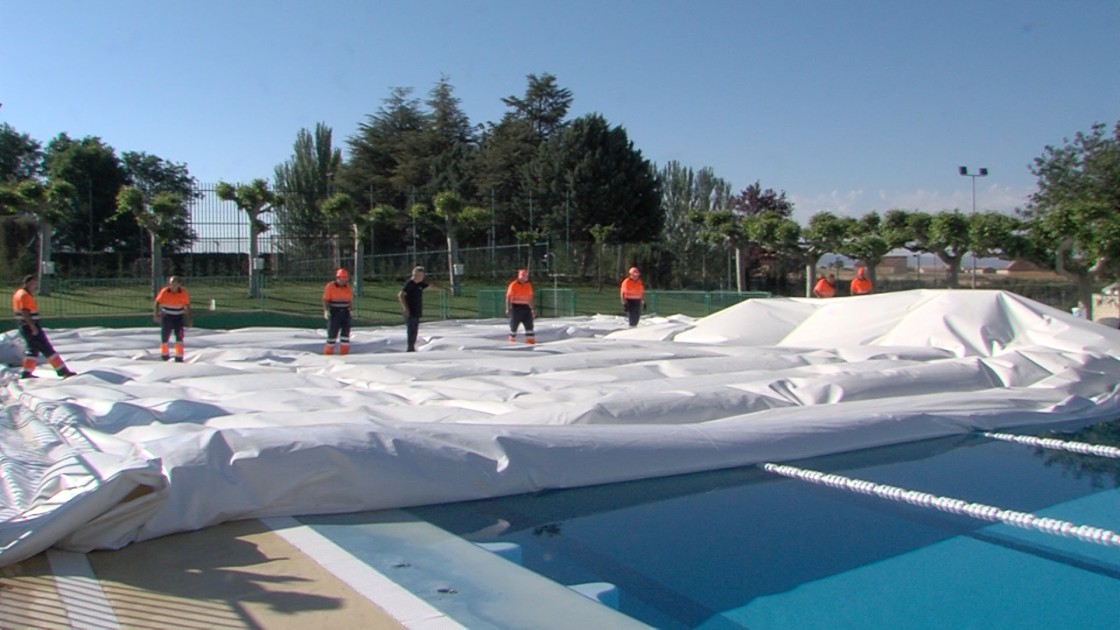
x=259, y=423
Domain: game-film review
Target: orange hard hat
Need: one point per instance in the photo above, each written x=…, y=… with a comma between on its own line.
x=342, y=274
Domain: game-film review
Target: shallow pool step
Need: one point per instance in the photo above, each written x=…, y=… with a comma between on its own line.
x=603, y=592
x=472, y=588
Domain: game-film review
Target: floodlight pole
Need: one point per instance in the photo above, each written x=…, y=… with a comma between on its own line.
x=983, y=172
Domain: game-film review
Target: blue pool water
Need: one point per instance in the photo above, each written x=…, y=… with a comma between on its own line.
x=745, y=548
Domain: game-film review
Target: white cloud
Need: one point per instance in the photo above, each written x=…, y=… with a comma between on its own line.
x=857, y=203
x=841, y=203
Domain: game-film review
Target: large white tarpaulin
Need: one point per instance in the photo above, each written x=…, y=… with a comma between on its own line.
x=259, y=423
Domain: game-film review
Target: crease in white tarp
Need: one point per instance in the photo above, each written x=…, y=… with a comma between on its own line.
x=257, y=423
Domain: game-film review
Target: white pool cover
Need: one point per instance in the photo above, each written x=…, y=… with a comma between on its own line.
x=259, y=423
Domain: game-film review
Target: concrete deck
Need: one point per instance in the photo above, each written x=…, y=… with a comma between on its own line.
x=330, y=571
x=235, y=575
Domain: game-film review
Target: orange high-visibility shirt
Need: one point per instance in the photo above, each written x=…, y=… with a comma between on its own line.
x=338, y=296
x=861, y=286
x=824, y=288
x=173, y=302
x=22, y=299
x=632, y=289
x=520, y=293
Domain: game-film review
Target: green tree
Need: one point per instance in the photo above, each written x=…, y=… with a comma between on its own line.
x=160, y=214
x=945, y=235
x=341, y=210
x=863, y=241
x=544, y=106
x=382, y=217
x=381, y=161
x=1073, y=220
x=996, y=235
x=502, y=170
x=722, y=229
x=903, y=228
x=97, y=174
x=451, y=143
x=753, y=201
x=948, y=237
x=47, y=203
x=600, y=234
x=20, y=155
x=20, y=159
x=779, y=237
x=254, y=199
x=153, y=175
x=782, y=237
x=591, y=174
x=505, y=151
x=450, y=205
x=685, y=194
x=823, y=235
x=306, y=180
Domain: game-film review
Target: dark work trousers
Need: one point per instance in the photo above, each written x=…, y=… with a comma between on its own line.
x=338, y=325
x=170, y=324
x=633, y=311
x=412, y=325
x=34, y=345
x=521, y=314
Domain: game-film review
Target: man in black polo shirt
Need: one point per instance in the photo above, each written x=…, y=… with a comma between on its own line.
x=411, y=298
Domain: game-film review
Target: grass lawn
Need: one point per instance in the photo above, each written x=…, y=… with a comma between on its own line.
x=298, y=303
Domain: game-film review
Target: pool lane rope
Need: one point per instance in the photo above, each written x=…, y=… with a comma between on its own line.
x=1058, y=445
x=1024, y=520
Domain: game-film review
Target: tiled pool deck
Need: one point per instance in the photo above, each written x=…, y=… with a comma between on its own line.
x=342, y=571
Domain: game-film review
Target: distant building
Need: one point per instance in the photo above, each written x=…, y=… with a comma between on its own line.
x=892, y=266
x=1026, y=269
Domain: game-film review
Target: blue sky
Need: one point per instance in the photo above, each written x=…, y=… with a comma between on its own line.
x=847, y=106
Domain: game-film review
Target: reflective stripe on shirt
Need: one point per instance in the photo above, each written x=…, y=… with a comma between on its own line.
x=173, y=302
x=520, y=292
x=338, y=296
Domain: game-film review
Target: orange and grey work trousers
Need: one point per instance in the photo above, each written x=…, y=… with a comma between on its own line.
x=169, y=324
x=521, y=315
x=37, y=344
x=338, y=328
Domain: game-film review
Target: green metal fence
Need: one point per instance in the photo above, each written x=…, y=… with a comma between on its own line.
x=697, y=303
x=218, y=301
x=566, y=302
x=550, y=302
x=224, y=302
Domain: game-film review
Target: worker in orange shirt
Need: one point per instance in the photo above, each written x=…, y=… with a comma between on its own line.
x=34, y=337
x=861, y=284
x=633, y=295
x=826, y=287
x=519, y=306
x=172, y=311
x=338, y=298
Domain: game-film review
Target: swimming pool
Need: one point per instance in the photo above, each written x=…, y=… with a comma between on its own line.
x=747, y=548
